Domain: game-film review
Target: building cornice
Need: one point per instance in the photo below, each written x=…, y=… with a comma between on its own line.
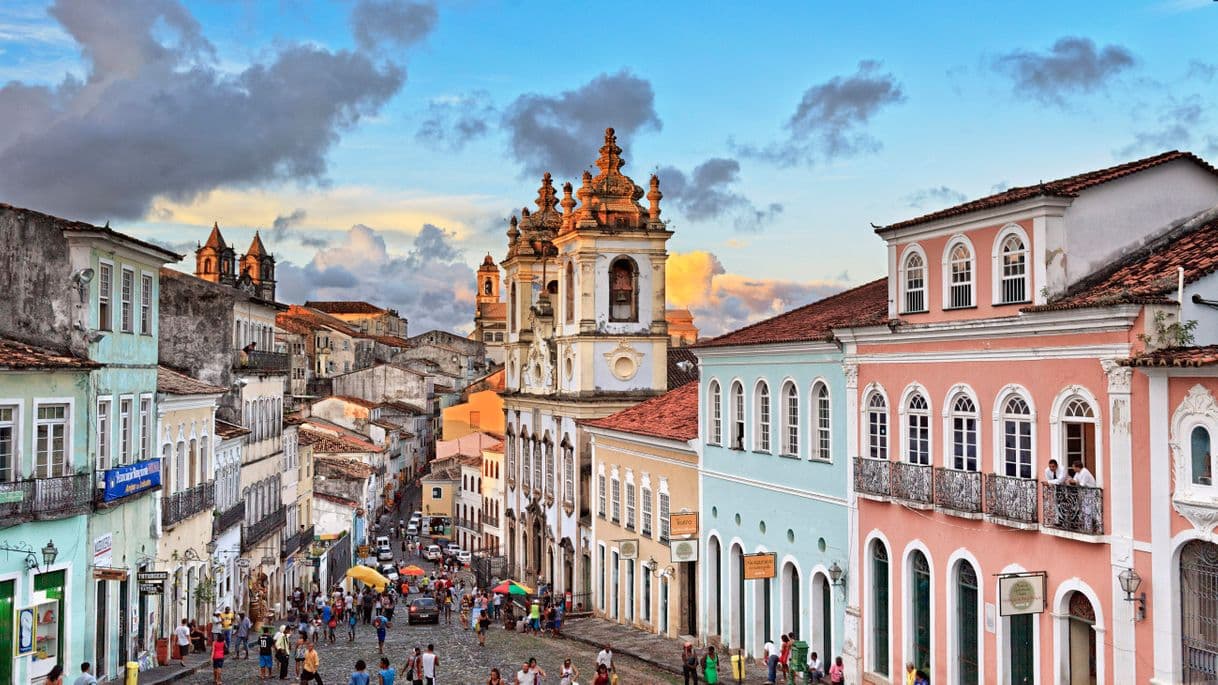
x=1032, y=208
x=687, y=446
x=1117, y=318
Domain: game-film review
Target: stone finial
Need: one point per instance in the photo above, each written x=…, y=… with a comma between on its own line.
x=610, y=161
x=546, y=199
x=568, y=202
x=513, y=232
x=524, y=213
x=653, y=198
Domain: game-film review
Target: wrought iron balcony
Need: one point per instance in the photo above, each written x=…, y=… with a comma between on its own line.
x=1072, y=508
x=296, y=541
x=913, y=483
x=1011, y=500
x=185, y=503
x=959, y=492
x=873, y=477
x=228, y=518
x=44, y=499
x=490, y=521
x=262, y=529
x=262, y=361
x=468, y=524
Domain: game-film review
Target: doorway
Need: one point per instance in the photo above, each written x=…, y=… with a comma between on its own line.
x=1199, y=611
x=1081, y=624
x=7, y=596
x=689, y=615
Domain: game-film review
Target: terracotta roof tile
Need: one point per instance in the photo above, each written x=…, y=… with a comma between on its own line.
x=1176, y=356
x=337, y=466
x=228, y=430
x=19, y=355
x=404, y=407
x=335, y=444
x=358, y=401
x=174, y=383
x=344, y=307
x=676, y=376
x=1148, y=275
x=1067, y=187
x=866, y=305
x=673, y=415
x=392, y=341
x=316, y=319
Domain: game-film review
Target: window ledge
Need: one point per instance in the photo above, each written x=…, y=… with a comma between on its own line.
x=952, y=309
x=1013, y=303
x=822, y=460
x=915, y=311
x=789, y=456
x=768, y=453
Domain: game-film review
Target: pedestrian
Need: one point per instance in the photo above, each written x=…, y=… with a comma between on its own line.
x=387, y=607
x=85, y=677
x=535, y=616
x=710, y=666
x=769, y=655
x=602, y=675
x=568, y=673
x=484, y=624
x=689, y=663
x=525, y=675
x=311, y=671
x=816, y=671
x=837, y=673
x=559, y=612
x=386, y=672
x=299, y=653
x=495, y=678
x=281, y=651
x=537, y=671
x=352, y=620
x=55, y=676
x=217, y=660
x=331, y=624
x=182, y=637
x=413, y=668
x=217, y=627
x=430, y=663
x=605, y=657
x=227, y=619
x=911, y=671
x=243, y=634
x=266, y=651
x=360, y=675
x=381, y=626
x=784, y=656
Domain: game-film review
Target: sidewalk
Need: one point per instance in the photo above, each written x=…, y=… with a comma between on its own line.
x=173, y=671
x=661, y=652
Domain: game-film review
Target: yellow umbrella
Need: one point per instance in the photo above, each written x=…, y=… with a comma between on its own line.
x=368, y=576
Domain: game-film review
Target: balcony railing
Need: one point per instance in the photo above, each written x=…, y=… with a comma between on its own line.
x=913, y=483
x=1011, y=499
x=262, y=529
x=468, y=524
x=296, y=541
x=44, y=499
x=228, y=518
x=185, y=503
x=958, y=491
x=491, y=521
x=262, y=361
x=873, y=477
x=1072, y=508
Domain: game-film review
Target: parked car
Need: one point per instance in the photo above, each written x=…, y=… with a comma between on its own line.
x=464, y=557
x=451, y=549
x=423, y=610
x=412, y=529
x=384, y=550
x=434, y=553
x=389, y=571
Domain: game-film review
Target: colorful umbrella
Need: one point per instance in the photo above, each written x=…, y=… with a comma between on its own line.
x=412, y=570
x=368, y=576
x=511, y=587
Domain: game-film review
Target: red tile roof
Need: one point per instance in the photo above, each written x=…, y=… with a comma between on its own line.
x=404, y=407
x=392, y=341
x=315, y=319
x=335, y=444
x=1148, y=275
x=1067, y=187
x=18, y=355
x=342, y=468
x=676, y=376
x=345, y=307
x=866, y=305
x=1176, y=356
x=174, y=383
x=673, y=416
x=228, y=430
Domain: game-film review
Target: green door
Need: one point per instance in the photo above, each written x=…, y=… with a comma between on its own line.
x=1022, y=649
x=7, y=609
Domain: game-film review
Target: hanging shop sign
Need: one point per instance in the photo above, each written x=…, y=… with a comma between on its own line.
x=684, y=550
x=130, y=479
x=152, y=576
x=107, y=573
x=760, y=566
x=152, y=589
x=683, y=524
x=1021, y=593
x=628, y=549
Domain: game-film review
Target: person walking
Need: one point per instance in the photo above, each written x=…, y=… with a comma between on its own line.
x=181, y=635
x=282, y=648
x=311, y=670
x=243, y=627
x=381, y=630
x=605, y=657
x=484, y=624
x=525, y=675
x=710, y=666
x=602, y=675
x=217, y=661
x=386, y=672
x=567, y=673
x=413, y=668
x=689, y=664
x=227, y=619
x=430, y=663
x=300, y=652
x=537, y=671
x=495, y=678
x=352, y=620
x=360, y=675
x=217, y=627
x=266, y=653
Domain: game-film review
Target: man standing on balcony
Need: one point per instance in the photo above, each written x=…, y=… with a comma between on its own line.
x=1054, y=474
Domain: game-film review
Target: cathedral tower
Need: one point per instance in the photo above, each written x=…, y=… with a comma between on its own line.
x=216, y=261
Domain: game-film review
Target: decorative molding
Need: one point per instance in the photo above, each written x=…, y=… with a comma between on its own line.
x=1119, y=377
x=851, y=372
x=623, y=361
x=1196, y=503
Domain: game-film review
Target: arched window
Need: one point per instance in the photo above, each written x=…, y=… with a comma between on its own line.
x=1078, y=434
x=879, y=609
x=919, y=604
x=877, y=427
x=790, y=417
x=1014, y=255
x=960, y=274
x=1017, y=438
x=1199, y=447
x=967, y=637
x=715, y=430
x=623, y=290
x=917, y=439
x=964, y=433
x=569, y=299
x=761, y=414
x=737, y=409
x=822, y=433
x=914, y=281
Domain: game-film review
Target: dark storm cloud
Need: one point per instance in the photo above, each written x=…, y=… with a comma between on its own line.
x=1174, y=129
x=1071, y=67
x=562, y=133
x=391, y=23
x=940, y=195
x=284, y=222
x=830, y=120
x=155, y=117
x=707, y=193
x=452, y=122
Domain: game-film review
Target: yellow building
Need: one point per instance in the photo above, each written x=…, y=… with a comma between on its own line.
x=482, y=411
x=440, y=486
x=645, y=471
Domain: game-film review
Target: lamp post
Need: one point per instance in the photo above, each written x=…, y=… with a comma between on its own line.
x=1130, y=582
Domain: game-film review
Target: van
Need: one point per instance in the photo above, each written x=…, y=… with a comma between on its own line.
x=412, y=530
x=433, y=553
x=384, y=551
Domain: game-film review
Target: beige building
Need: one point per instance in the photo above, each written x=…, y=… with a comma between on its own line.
x=366, y=317
x=440, y=487
x=331, y=344
x=645, y=465
x=492, y=500
x=298, y=531
x=186, y=413
x=490, y=314
x=681, y=329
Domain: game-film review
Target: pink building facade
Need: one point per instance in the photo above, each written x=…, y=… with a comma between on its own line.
x=1026, y=330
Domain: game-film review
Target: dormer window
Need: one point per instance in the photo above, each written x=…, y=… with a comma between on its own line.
x=623, y=290
x=1011, y=266
x=960, y=274
x=913, y=280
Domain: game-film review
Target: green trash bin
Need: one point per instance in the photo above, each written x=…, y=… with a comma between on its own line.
x=798, y=662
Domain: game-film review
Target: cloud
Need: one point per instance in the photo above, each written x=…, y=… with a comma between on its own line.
x=454, y=121
x=156, y=118
x=1177, y=122
x=1202, y=71
x=391, y=23
x=282, y=223
x=722, y=301
x=1071, y=67
x=939, y=195
x=829, y=121
x=429, y=284
x=706, y=193
x=562, y=133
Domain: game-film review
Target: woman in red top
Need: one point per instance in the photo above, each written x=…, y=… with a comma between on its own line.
x=217, y=659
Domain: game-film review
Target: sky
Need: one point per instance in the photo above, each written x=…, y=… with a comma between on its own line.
x=381, y=146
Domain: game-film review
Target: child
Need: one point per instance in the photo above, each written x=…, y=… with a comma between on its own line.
x=352, y=619
x=381, y=625
x=217, y=659
x=360, y=676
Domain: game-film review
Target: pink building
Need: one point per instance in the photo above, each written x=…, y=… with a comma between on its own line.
x=1013, y=320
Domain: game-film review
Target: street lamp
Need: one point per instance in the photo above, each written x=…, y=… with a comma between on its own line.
x=836, y=574
x=1130, y=582
x=49, y=553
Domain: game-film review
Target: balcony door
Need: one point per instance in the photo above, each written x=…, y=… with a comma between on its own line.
x=1199, y=612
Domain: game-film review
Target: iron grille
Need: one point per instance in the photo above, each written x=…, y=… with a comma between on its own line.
x=1010, y=498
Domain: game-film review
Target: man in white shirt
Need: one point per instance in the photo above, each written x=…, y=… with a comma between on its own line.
x=1054, y=474
x=430, y=661
x=605, y=657
x=525, y=675
x=769, y=657
x=1083, y=477
x=815, y=671
x=182, y=633
x=85, y=677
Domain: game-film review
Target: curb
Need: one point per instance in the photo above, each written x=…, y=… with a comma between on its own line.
x=649, y=661
x=179, y=674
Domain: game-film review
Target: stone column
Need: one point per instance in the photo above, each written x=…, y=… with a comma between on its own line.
x=851, y=652
x=1119, y=486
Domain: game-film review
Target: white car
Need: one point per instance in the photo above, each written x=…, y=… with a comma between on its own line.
x=464, y=557
x=384, y=550
x=412, y=529
x=434, y=553
x=390, y=572
x=452, y=549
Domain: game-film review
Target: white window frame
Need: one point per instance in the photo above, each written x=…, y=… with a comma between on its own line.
x=997, y=268
x=950, y=414
x=914, y=250
x=147, y=295
x=126, y=300
x=105, y=292
x=738, y=418
x=820, y=423
x=601, y=493
x=146, y=426
x=763, y=417
x=126, y=428
x=715, y=402
x=631, y=500
x=789, y=419
x=1057, y=432
x=69, y=405
x=104, y=428
x=665, y=511
x=1000, y=418
x=615, y=498
x=646, y=516
x=951, y=245
x=908, y=417
x=14, y=426
x=568, y=473
x=877, y=446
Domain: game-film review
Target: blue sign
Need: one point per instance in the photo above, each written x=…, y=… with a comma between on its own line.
x=124, y=481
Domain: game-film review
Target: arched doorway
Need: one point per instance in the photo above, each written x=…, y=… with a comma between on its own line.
x=535, y=554
x=821, y=639
x=1080, y=622
x=1199, y=612
x=714, y=588
x=790, y=600
x=736, y=598
x=524, y=554
x=919, y=610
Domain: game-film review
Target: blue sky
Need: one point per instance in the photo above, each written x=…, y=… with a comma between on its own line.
x=969, y=98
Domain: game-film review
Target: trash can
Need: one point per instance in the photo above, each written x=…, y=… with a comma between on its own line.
x=738, y=666
x=133, y=673
x=799, y=660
